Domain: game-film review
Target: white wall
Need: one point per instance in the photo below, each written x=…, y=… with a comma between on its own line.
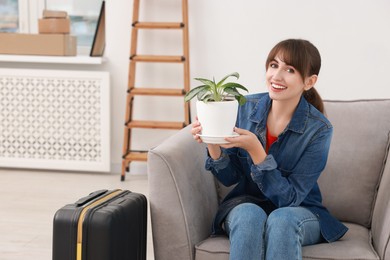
x=353, y=37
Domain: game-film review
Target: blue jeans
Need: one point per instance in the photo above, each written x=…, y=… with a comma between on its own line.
x=279, y=236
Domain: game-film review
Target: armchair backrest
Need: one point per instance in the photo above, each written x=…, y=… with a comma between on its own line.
x=357, y=158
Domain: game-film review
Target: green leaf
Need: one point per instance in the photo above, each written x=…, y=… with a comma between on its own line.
x=234, y=74
x=232, y=91
x=241, y=100
x=208, y=98
x=193, y=92
x=202, y=93
x=206, y=82
x=234, y=85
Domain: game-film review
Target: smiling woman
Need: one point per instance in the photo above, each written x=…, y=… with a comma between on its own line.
x=275, y=161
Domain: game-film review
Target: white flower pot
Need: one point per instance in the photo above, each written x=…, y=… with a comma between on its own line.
x=217, y=118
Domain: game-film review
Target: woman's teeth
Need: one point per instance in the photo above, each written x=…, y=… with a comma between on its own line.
x=278, y=86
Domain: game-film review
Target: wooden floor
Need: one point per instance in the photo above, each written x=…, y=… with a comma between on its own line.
x=30, y=198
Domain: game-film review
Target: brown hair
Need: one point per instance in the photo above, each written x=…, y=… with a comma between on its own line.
x=305, y=58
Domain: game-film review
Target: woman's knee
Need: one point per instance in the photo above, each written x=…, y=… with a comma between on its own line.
x=245, y=226
x=283, y=219
x=246, y=217
x=296, y=223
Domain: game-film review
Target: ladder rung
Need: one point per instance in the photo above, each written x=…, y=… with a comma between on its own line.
x=158, y=25
x=157, y=58
x=155, y=124
x=157, y=91
x=136, y=156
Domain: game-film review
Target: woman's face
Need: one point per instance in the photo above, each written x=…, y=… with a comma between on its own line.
x=284, y=82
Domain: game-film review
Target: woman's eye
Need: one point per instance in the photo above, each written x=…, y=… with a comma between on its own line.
x=273, y=65
x=290, y=70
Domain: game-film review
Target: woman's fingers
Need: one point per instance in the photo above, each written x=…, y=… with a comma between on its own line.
x=241, y=131
x=196, y=130
x=244, y=140
x=197, y=138
x=232, y=141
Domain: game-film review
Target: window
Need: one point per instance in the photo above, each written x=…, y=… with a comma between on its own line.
x=21, y=16
x=11, y=16
x=83, y=15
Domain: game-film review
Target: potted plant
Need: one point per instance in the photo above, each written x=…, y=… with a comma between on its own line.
x=217, y=107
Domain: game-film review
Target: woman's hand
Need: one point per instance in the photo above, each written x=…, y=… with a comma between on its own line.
x=196, y=130
x=249, y=142
x=214, y=149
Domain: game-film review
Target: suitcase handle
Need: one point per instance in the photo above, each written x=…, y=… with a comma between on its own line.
x=90, y=197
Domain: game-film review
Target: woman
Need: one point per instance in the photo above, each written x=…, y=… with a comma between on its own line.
x=282, y=148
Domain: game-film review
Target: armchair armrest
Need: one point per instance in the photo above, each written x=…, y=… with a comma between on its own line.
x=182, y=195
x=381, y=217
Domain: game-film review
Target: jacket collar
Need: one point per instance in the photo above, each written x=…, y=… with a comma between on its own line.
x=298, y=122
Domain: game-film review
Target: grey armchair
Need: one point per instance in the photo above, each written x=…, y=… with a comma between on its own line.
x=355, y=187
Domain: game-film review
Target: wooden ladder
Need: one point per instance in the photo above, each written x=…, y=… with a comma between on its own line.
x=132, y=91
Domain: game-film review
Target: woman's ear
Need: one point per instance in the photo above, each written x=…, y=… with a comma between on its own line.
x=310, y=82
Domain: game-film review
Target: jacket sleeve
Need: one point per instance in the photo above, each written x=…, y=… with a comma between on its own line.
x=227, y=168
x=292, y=188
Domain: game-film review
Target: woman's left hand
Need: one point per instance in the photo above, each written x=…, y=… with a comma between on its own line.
x=247, y=141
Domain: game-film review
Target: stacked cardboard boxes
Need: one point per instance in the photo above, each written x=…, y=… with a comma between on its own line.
x=56, y=22
x=53, y=39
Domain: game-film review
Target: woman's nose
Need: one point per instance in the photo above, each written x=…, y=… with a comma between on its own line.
x=277, y=75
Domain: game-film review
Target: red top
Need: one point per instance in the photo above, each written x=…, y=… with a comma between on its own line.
x=270, y=140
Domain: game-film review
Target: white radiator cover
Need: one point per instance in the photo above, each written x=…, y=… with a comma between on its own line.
x=55, y=119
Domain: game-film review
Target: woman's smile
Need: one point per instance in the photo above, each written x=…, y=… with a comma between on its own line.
x=277, y=87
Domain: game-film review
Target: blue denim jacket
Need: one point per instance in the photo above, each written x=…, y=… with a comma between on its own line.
x=288, y=175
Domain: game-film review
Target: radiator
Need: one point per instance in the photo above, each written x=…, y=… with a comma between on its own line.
x=52, y=119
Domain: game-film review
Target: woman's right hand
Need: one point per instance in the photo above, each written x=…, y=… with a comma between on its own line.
x=196, y=130
x=214, y=149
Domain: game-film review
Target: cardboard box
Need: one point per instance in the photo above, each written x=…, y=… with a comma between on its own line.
x=38, y=44
x=54, y=14
x=54, y=25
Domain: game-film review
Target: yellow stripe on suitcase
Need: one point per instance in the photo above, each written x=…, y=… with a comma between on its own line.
x=81, y=220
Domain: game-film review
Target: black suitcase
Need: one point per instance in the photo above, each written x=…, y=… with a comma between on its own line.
x=106, y=225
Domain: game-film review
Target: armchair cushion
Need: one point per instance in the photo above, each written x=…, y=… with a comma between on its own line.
x=352, y=246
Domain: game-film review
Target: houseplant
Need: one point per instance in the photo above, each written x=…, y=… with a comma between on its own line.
x=217, y=106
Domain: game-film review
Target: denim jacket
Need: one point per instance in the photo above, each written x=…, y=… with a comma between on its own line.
x=288, y=175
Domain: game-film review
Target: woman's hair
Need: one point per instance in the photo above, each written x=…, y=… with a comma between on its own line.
x=305, y=58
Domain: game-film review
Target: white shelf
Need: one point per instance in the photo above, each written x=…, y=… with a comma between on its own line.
x=81, y=59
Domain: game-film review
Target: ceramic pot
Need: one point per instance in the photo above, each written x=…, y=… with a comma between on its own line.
x=217, y=118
